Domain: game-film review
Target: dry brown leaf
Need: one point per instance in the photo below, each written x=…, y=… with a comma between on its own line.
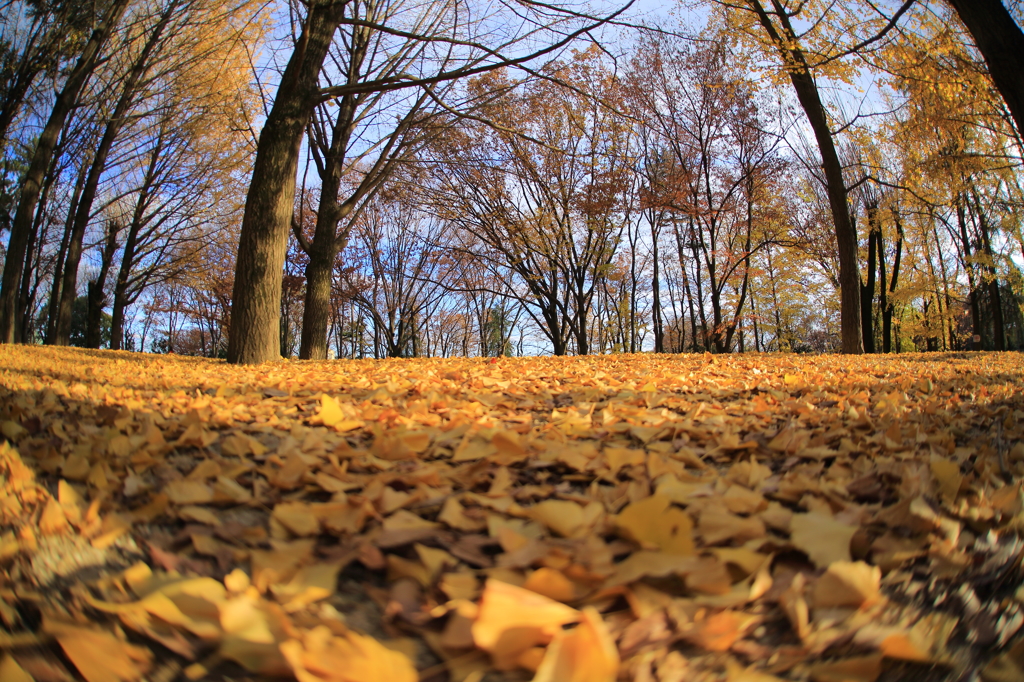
x=188, y=492
x=512, y=620
x=562, y=516
x=822, y=538
x=586, y=653
x=99, y=656
x=320, y=656
x=717, y=525
x=297, y=517
x=454, y=515
x=310, y=584
x=719, y=631
x=650, y=564
x=947, y=476
x=655, y=524
x=794, y=605
x=709, y=576
x=848, y=583
x=553, y=584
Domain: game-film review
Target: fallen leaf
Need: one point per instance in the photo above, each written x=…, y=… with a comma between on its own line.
x=99, y=656
x=297, y=517
x=821, y=538
x=586, y=653
x=321, y=655
x=848, y=583
x=563, y=517
x=653, y=522
x=718, y=525
x=188, y=492
x=719, y=631
x=552, y=583
x=513, y=619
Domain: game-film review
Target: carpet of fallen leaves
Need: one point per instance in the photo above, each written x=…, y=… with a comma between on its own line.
x=650, y=518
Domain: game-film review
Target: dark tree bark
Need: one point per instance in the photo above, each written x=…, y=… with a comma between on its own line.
x=22, y=322
x=270, y=202
x=124, y=272
x=656, y=314
x=786, y=40
x=83, y=212
x=58, y=265
x=1001, y=43
x=46, y=36
x=327, y=240
x=888, y=307
x=41, y=157
x=994, y=295
x=96, y=297
x=977, y=324
x=867, y=289
x=19, y=85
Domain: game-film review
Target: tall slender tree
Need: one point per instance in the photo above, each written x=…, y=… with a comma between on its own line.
x=21, y=226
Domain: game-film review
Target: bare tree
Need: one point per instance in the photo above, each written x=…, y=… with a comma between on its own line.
x=469, y=33
x=31, y=185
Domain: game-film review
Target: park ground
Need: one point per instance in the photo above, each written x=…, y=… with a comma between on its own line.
x=654, y=518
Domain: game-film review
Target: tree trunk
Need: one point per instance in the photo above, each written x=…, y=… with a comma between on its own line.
x=977, y=324
x=58, y=265
x=867, y=290
x=41, y=157
x=656, y=316
x=21, y=322
x=846, y=236
x=994, y=296
x=270, y=202
x=121, y=301
x=83, y=213
x=1001, y=43
x=29, y=67
x=317, y=308
x=96, y=299
x=887, y=304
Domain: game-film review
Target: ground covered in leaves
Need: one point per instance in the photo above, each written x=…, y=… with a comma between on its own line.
x=650, y=518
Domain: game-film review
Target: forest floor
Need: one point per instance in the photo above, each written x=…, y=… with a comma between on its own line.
x=651, y=518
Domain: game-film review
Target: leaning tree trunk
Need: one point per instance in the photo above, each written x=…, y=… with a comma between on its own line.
x=58, y=264
x=83, y=213
x=22, y=320
x=270, y=202
x=846, y=236
x=41, y=157
x=1001, y=43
